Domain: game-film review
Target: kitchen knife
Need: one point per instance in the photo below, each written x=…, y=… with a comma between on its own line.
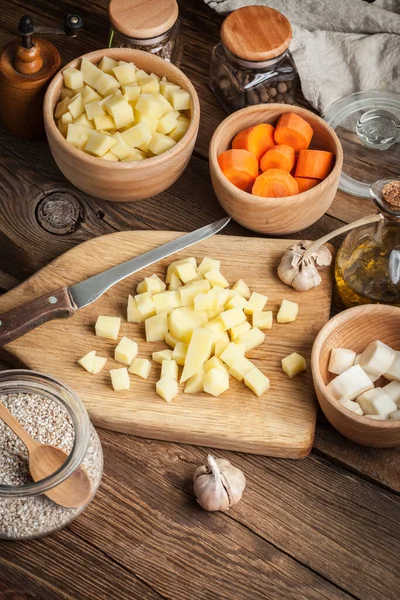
x=66, y=300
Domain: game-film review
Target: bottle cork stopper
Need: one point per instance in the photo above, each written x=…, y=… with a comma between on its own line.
x=391, y=194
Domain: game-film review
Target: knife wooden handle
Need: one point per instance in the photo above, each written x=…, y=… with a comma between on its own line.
x=18, y=321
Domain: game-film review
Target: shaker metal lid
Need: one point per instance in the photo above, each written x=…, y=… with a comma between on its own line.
x=142, y=19
x=256, y=33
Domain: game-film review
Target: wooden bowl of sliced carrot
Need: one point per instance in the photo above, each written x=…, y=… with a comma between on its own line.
x=275, y=168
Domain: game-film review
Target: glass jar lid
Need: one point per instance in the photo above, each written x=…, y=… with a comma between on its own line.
x=256, y=33
x=143, y=19
x=368, y=126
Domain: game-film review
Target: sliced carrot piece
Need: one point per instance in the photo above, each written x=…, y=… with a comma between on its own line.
x=278, y=157
x=275, y=183
x=305, y=183
x=240, y=167
x=257, y=139
x=314, y=164
x=294, y=131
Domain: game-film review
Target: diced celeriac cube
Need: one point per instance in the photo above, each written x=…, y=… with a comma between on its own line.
x=179, y=99
x=340, y=360
x=89, y=72
x=145, y=305
x=393, y=372
x=257, y=382
x=133, y=313
x=98, y=143
x=215, y=382
x=242, y=288
x=87, y=361
x=137, y=135
x=194, y=385
x=238, y=330
x=99, y=363
x=162, y=355
x=170, y=340
x=167, y=388
x=376, y=358
x=108, y=327
x=169, y=368
x=216, y=278
x=262, y=319
x=376, y=402
x=126, y=351
x=256, y=301
x=140, y=367
x=73, y=78
x=179, y=353
x=350, y=383
x=393, y=389
x=351, y=405
x=294, y=364
x=107, y=64
x=199, y=350
x=214, y=363
x=106, y=84
x=232, y=317
x=104, y=123
x=232, y=353
x=236, y=302
x=76, y=106
x=120, y=379
x=167, y=301
x=240, y=368
x=125, y=73
x=251, y=339
x=156, y=327
x=288, y=312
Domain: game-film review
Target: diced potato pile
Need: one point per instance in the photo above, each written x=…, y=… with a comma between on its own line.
x=353, y=386
x=207, y=326
x=118, y=112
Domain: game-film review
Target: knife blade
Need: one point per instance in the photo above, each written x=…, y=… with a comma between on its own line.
x=65, y=301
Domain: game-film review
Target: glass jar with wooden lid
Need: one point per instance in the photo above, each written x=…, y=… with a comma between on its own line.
x=252, y=64
x=148, y=25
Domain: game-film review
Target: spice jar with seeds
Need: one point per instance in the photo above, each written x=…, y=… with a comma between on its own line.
x=52, y=414
x=151, y=25
x=252, y=64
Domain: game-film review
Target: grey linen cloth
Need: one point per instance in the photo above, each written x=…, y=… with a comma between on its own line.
x=339, y=46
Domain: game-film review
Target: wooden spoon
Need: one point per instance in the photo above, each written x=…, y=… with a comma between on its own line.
x=44, y=460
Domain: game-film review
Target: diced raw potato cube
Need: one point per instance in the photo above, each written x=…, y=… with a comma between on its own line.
x=137, y=135
x=121, y=148
x=87, y=361
x=214, y=363
x=153, y=285
x=83, y=120
x=167, y=107
x=357, y=359
x=125, y=73
x=136, y=155
x=150, y=122
x=175, y=283
x=110, y=156
x=126, y=351
x=167, y=388
x=167, y=302
x=221, y=297
x=180, y=99
x=73, y=78
x=99, y=363
x=393, y=372
x=68, y=118
x=242, y=288
x=340, y=360
x=256, y=302
x=94, y=109
x=108, y=327
x=160, y=143
x=288, y=312
x=237, y=302
x=170, y=340
x=256, y=381
x=77, y=135
x=376, y=402
x=166, y=87
x=213, y=314
x=183, y=320
x=393, y=389
x=350, y=383
x=156, y=327
x=208, y=264
x=395, y=415
x=204, y=301
x=192, y=290
x=172, y=267
x=107, y=64
x=62, y=107
x=62, y=128
x=120, y=379
x=149, y=85
x=262, y=319
x=141, y=74
x=186, y=272
x=131, y=92
x=89, y=72
x=179, y=131
x=216, y=326
x=90, y=95
x=168, y=122
x=194, y=385
x=104, y=123
x=294, y=364
x=351, y=405
x=220, y=346
x=161, y=355
x=133, y=313
x=141, y=367
x=120, y=110
x=232, y=353
x=215, y=382
x=67, y=93
x=232, y=317
x=106, y=84
x=76, y=106
x=150, y=106
x=199, y=350
x=169, y=368
x=238, y=330
x=240, y=368
x=98, y=143
x=179, y=353
x=252, y=338
x=216, y=278
x=145, y=305
x=377, y=358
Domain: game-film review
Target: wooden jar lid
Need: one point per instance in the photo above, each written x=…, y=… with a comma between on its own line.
x=142, y=19
x=256, y=33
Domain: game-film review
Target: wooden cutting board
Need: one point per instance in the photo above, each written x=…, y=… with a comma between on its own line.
x=280, y=423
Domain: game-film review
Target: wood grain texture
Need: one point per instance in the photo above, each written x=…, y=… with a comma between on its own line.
x=144, y=19
x=274, y=216
x=280, y=423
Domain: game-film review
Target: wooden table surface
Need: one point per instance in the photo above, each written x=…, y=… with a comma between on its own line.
x=326, y=527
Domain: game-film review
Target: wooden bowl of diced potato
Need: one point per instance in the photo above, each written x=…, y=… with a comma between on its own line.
x=354, y=330
x=85, y=123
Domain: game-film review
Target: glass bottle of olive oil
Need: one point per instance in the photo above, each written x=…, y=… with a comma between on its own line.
x=367, y=268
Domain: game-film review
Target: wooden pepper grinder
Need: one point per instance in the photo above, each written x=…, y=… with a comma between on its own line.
x=26, y=67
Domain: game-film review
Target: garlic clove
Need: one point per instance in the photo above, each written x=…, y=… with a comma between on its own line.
x=300, y=272
x=218, y=485
x=306, y=278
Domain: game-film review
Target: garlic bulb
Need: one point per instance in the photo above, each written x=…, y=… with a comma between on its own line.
x=218, y=485
x=300, y=272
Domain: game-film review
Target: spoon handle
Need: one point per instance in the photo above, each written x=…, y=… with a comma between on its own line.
x=17, y=428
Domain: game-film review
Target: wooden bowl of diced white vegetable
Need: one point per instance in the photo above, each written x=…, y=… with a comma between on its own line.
x=364, y=409
x=159, y=150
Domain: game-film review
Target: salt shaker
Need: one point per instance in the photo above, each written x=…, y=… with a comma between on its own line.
x=252, y=64
x=152, y=26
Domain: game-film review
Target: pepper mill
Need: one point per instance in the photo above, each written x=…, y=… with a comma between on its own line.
x=26, y=67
